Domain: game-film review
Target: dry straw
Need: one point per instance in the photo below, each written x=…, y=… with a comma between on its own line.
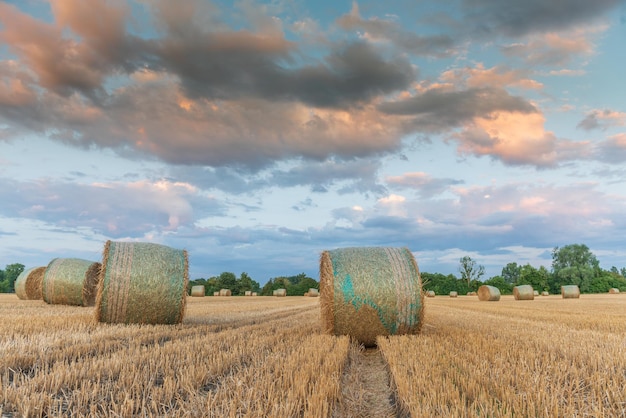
x=70, y=281
x=225, y=292
x=28, y=283
x=248, y=293
x=535, y=292
x=369, y=292
x=545, y=293
x=471, y=293
x=570, y=291
x=523, y=292
x=613, y=290
x=216, y=293
x=454, y=294
x=430, y=293
x=313, y=293
x=280, y=292
x=488, y=293
x=142, y=283
x=254, y=294
x=197, y=291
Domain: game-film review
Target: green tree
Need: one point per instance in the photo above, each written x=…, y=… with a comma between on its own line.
x=470, y=270
x=500, y=282
x=537, y=278
x=247, y=284
x=440, y=283
x=511, y=272
x=228, y=280
x=11, y=272
x=573, y=264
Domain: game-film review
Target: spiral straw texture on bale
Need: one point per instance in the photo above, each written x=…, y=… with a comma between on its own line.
x=28, y=283
x=142, y=283
x=524, y=292
x=70, y=281
x=366, y=292
x=197, y=291
x=570, y=291
x=488, y=293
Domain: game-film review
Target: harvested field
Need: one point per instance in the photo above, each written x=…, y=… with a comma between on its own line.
x=265, y=356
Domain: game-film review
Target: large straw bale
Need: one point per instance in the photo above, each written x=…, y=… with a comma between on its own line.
x=142, y=283
x=226, y=292
x=523, y=292
x=70, y=281
x=28, y=283
x=313, y=292
x=613, y=290
x=430, y=293
x=488, y=293
x=280, y=292
x=369, y=292
x=570, y=291
x=197, y=290
x=454, y=294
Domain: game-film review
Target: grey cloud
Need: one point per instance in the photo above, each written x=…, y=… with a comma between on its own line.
x=612, y=150
x=589, y=123
x=426, y=186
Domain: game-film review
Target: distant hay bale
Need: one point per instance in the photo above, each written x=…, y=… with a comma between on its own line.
x=535, y=292
x=142, y=283
x=197, y=291
x=70, y=281
x=28, y=283
x=613, y=290
x=280, y=292
x=248, y=293
x=488, y=293
x=471, y=293
x=570, y=291
x=545, y=293
x=254, y=294
x=523, y=292
x=430, y=293
x=226, y=292
x=454, y=294
x=370, y=292
x=313, y=293
x=216, y=293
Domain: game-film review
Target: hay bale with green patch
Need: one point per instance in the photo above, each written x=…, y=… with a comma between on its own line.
x=369, y=292
x=488, y=293
x=197, y=291
x=142, y=283
x=430, y=293
x=524, y=292
x=613, y=290
x=28, y=283
x=70, y=281
x=570, y=291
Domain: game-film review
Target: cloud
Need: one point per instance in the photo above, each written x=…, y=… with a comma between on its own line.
x=495, y=77
x=602, y=119
x=612, y=150
x=426, y=185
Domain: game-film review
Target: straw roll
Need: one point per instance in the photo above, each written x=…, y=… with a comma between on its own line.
x=454, y=294
x=142, y=283
x=70, y=281
x=523, y=292
x=613, y=290
x=570, y=291
x=430, y=293
x=488, y=293
x=369, y=292
x=226, y=292
x=197, y=291
x=28, y=283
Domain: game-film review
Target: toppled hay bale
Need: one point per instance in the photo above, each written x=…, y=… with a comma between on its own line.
x=524, y=292
x=142, y=283
x=430, y=293
x=280, y=292
x=454, y=294
x=197, y=291
x=370, y=292
x=488, y=293
x=570, y=291
x=226, y=292
x=70, y=281
x=613, y=290
x=28, y=283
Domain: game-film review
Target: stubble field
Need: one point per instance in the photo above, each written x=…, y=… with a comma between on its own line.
x=266, y=357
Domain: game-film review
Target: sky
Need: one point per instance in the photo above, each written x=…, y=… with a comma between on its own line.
x=256, y=135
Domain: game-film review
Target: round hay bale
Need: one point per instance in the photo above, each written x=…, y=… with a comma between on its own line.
x=254, y=293
x=545, y=293
x=313, y=293
x=430, y=293
x=197, y=291
x=488, y=293
x=535, y=292
x=570, y=291
x=454, y=294
x=142, y=283
x=226, y=292
x=28, y=283
x=280, y=292
x=70, y=281
x=613, y=290
x=369, y=292
x=216, y=293
x=248, y=293
x=524, y=292
x=471, y=293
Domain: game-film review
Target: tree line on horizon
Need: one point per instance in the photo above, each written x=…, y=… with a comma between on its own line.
x=571, y=264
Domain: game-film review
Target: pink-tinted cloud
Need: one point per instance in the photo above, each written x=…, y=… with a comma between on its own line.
x=602, y=119
x=497, y=76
